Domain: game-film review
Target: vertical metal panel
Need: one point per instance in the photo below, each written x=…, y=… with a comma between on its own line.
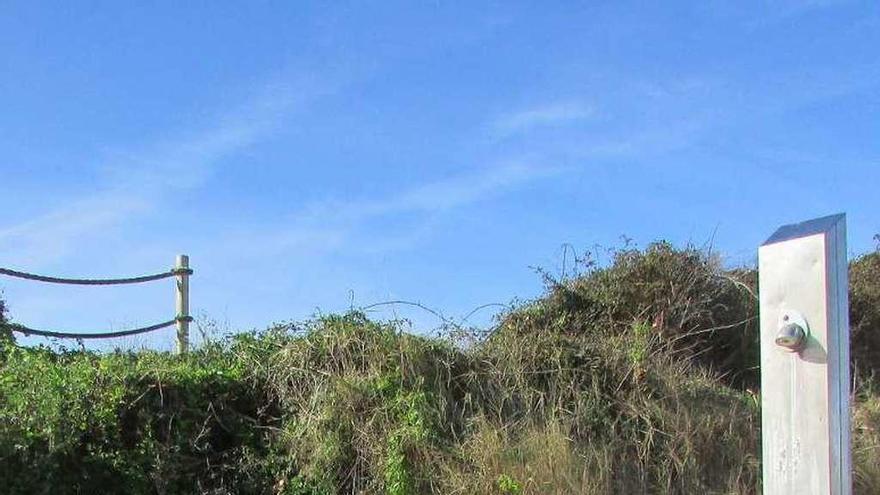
x=805, y=394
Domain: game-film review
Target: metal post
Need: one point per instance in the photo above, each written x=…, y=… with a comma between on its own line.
x=182, y=300
x=805, y=376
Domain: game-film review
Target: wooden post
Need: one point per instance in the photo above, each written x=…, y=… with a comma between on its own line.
x=182, y=300
x=805, y=375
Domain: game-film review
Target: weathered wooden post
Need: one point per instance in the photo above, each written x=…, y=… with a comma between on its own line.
x=182, y=302
x=805, y=377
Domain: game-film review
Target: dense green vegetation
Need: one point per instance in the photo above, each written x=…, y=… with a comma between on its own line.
x=637, y=377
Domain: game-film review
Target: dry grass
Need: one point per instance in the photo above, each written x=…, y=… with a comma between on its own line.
x=866, y=444
x=369, y=410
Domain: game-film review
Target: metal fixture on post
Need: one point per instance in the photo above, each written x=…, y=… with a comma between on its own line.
x=793, y=331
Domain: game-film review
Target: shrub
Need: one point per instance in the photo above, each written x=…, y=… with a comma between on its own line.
x=346, y=405
x=5, y=333
x=681, y=300
x=864, y=299
x=78, y=422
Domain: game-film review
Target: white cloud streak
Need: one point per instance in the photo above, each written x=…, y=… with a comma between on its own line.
x=553, y=114
x=137, y=182
x=324, y=226
x=435, y=196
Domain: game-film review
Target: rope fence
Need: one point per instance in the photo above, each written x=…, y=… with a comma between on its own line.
x=181, y=272
x=97, y=335
x=87, y=281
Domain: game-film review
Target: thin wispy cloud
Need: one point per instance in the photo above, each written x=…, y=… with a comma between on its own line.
x=795, y=7
x=553, y=114
x=322, y=227
x=52, y=235
x=651, y=140
x=432, y=197
x=682, y=113
x=776, y=11
x=469, y=188
x=136, y=182
x=187, y=159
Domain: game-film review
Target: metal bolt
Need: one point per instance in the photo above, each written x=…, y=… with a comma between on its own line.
x=792, y=337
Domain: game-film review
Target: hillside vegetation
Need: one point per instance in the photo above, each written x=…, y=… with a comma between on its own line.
x=637, y=377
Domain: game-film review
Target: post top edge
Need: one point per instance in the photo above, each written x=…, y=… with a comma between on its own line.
x=805, y=228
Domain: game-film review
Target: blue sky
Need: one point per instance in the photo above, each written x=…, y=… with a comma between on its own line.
x=312, y=156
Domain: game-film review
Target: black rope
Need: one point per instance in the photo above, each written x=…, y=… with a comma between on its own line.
x=85, y=281
x=105, y=335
